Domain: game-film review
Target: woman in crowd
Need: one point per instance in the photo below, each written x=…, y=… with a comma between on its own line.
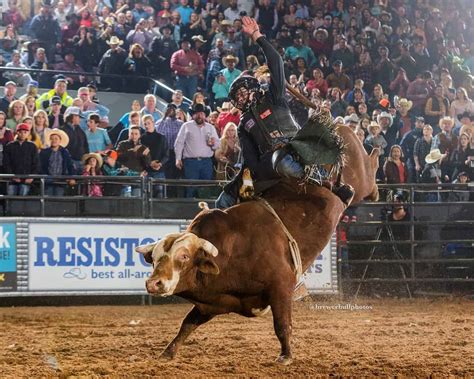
x=85, y=48
x=41, y=128
x=30, y=103
x=301, y=70
x=16, y=111
x=92, y=167
x=137, y=64
x=462, y=104
x=318, y=82
x=227, y=154
x=462, y=158
x=394, y=168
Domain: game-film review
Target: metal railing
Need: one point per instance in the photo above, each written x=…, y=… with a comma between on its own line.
x=156, y=86
x=431, y=228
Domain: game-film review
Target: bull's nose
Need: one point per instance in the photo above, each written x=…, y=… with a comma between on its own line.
x=154, y=286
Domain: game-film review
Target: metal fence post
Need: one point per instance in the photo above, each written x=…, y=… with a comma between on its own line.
x=412, y=231
x=42, y=200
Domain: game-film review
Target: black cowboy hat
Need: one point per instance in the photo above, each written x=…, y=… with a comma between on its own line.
x=167, y=26
x=198, y=107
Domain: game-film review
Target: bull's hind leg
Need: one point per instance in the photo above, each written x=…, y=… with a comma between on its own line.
x=281, y=303
x=190, y=323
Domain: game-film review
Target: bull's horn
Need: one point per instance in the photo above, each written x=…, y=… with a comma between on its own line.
x=143, y=249
x=208, y=247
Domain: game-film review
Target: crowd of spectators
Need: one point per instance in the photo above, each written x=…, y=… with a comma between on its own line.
x=398, y=72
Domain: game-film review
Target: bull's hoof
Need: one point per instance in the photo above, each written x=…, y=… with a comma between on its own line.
x=168, y=354
x=284, y=360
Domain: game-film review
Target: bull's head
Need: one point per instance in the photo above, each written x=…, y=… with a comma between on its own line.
x=177, y=256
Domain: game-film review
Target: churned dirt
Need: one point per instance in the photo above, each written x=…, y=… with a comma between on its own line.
x=404, y=337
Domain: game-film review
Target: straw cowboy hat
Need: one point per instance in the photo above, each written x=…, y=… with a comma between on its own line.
x=352, y=118
x=373, y=124
x=228, y=58
x=434, y=156
x=226, y=107
x=405, y=103
x=62, y=135
x=385, y=115
x=114, y=40
x=199, y=38
x=98, y=158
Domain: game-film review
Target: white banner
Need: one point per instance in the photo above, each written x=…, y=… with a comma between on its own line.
x=318, y=277
x=88, y=256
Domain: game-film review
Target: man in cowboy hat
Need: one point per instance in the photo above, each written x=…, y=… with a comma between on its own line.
x=161, y=50
x=188, y=66
x=408, y=146
x=112, y=62
x=56, y=160
x=195, y=145
x=273, y=146
x=432, y=173
x=230, y=73
x=70, y=64
x=77, y=145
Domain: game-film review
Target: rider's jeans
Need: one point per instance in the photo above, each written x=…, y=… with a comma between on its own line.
x=289, y=167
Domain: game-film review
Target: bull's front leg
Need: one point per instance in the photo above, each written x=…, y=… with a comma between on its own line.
x=281, y=303
x=190, y=323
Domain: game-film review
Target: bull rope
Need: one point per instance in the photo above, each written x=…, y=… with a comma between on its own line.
x=294, y=249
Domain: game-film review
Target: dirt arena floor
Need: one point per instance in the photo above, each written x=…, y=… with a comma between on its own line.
x=394, y=337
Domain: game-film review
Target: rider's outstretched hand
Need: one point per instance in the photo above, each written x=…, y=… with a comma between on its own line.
x=251, y=28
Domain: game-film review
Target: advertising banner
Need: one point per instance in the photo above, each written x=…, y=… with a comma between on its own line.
x=88, y=256
x=8, y=274
x=319, y=277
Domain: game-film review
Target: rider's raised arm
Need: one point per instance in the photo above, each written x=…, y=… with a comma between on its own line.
x=275, y=65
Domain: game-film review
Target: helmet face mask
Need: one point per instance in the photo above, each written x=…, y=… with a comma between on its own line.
x=241, y=91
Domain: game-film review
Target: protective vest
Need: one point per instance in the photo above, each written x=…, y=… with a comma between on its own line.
x=275, y=125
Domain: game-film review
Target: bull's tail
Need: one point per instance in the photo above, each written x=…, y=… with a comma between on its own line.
x=203, y=205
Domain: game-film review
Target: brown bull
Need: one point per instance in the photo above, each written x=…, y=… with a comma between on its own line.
x=238, y=260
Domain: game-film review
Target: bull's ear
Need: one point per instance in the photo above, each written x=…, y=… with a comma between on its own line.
x=147, y=251
x=206, y=264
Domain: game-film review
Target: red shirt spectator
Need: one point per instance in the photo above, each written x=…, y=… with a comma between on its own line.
x=227, y=114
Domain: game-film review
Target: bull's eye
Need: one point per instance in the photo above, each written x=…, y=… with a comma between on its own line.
x=184, y=258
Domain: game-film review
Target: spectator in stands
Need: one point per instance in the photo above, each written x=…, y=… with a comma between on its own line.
x=227, y=155
x=158, y=146
x=45, y=28
x=16, y=112
x=394, y=168
x=169, y=126
x=446, y=141
x=85, y=48
x=60, y=88
x=432, y=173
x=408, y=145
x=419, y=90
x=267, y=17
x=137, y=64
x=112, y=62
x=97, y=138
x=18, y=77
x=375, y=138
x=134, y=120
x=462, y=104
x=135, y=156
x=462, y=194
x=338, y=79
x=55, y=160
x=436, y=107
x=86, y=94
x=13, y=15
x=227, y=114
x=399, y=85
x=184, y=11
x=6, y=136
x=9, y=95
x=140, y=35
x=195, y=146
x=41, y=129
x=56, y=112
x=188, y=67
x=20, y=157
x=178, y=100
x=78, y=145
x=70, y=64
x=298, y=50
x=150, y=108
x=317, y=81
x=230, y=72
x=30, y=103
x=388, y=131
x=422, y=149
x=92, y=167
x=405, y=117
x=31, y=90
x=161, y=50
x=337, y=104
x=460, y=159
